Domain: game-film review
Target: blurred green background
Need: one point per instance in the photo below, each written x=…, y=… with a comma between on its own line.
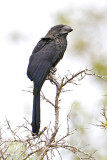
x=23, y=23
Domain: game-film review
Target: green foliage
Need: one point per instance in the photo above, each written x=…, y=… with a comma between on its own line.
x=79, y=117
x=95, y=16
x=17, y=36
x=80, y=45
x=100, y=67
x=105, y=100
x=61, y=18
x=16, y=151
x=89, y=42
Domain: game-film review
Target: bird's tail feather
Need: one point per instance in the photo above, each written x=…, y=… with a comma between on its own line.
x=36, y=113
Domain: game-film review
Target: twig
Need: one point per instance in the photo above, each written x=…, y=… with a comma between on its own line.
x=48, y=140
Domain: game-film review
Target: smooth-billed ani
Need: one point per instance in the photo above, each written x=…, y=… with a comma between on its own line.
x=46, y=54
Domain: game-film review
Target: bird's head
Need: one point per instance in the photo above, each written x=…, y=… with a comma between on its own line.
x=59, y=30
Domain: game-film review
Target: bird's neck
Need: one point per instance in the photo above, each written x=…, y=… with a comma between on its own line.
x=61, y=44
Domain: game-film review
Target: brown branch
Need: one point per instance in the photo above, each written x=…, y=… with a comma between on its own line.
x=103, y=123
x=47, y=100
x=48, y=139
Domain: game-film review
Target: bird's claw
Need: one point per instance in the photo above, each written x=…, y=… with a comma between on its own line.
x=53, y=70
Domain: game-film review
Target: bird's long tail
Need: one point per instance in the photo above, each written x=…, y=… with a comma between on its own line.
x=36, y=113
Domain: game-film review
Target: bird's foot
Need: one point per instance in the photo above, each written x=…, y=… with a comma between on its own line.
x=53, y=71
x=51, y=74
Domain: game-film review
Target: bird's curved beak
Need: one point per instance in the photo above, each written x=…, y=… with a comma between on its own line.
x=66, y=29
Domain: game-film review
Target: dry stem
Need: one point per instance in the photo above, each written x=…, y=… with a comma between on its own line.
x=48, y=140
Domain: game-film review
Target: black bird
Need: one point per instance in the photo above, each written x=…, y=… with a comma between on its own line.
x=46, y=54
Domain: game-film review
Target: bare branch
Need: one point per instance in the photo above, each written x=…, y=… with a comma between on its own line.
x=49, y=139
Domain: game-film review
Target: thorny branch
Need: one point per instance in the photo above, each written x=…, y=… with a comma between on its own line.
x=103, y=123
x=19, y=147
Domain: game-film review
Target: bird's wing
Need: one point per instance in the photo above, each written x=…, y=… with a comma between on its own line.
x=41, y=44
x=41, y=63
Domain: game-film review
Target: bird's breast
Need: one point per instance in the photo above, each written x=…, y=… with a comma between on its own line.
x=61, y=45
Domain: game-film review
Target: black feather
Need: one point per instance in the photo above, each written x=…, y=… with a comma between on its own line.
x=45, y=55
